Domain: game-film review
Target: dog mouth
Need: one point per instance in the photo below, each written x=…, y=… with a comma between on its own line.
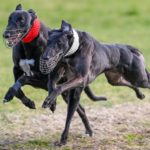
x=14, y=38
x=46, y=66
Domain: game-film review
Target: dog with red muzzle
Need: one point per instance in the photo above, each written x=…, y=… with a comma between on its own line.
x=22, y=26
x=27, y=36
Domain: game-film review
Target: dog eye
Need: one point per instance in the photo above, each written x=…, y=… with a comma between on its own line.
x=20, y=20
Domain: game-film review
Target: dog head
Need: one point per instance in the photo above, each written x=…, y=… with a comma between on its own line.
x=19, y=23
x=62, y=42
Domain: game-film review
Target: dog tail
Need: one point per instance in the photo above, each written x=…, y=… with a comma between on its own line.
x=92, y=96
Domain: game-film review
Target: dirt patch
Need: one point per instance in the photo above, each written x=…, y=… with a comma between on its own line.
x=124, y=127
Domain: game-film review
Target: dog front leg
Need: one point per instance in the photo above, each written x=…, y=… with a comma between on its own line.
x=51, y=87
x=74, y=99
x=25, y=100
x=53, y=78
x=20, y=94
x=51, y=99
x=12, y=92
x=15, y=88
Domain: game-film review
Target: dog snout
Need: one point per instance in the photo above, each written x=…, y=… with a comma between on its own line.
x=6, y=34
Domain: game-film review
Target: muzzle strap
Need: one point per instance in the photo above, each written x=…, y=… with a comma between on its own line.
x=33, y=32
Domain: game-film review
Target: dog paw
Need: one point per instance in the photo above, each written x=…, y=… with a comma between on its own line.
x=9, y=95
x=141, y=96
x=89, y=132
x=59, y=143
x=102, y=98
x=30, y=104
x=5, y=101
x=46, y=102
x=52, y=107
x=49, y=103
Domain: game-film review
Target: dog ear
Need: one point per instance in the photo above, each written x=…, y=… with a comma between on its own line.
x=32, y=13
x=66, y=27
x=19, y=7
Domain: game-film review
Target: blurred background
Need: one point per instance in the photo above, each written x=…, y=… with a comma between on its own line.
x=119, y=21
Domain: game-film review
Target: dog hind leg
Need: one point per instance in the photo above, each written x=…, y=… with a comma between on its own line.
x=25, y=100
x=116, y=79
x=94, y=98
x=138, y=72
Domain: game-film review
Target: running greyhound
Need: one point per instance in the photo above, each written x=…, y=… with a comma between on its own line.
x=85, y=59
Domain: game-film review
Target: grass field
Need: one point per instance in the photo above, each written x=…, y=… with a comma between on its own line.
x=121, y=123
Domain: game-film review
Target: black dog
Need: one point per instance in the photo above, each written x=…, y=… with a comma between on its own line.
x=26, y=53
x=85, y=59
x=28, y=37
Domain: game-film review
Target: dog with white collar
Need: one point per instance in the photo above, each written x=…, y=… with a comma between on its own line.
x=84, y=59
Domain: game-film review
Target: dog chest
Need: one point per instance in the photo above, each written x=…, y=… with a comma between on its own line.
x=25, y=65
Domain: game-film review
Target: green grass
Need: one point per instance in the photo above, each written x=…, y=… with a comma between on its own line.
x=133, y=139
x=34, y=144
x=107, y=20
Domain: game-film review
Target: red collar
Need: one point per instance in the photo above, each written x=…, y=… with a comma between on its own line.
x=33, y=32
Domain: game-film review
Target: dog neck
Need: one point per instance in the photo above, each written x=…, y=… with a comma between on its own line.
x=75, y=44
x=33, y=32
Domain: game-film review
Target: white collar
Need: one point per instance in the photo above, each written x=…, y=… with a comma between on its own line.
x=75, y=44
